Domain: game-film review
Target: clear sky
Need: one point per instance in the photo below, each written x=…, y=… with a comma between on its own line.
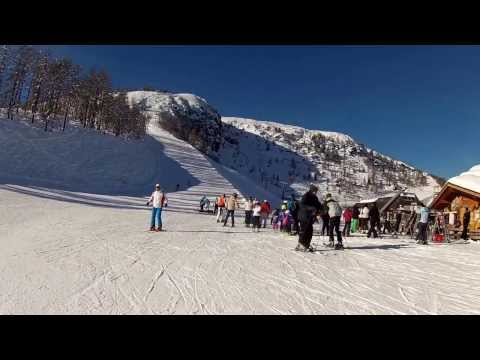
x=419, y=104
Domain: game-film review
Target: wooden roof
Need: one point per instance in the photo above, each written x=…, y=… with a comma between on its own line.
x=393, y=201
x=449, y=192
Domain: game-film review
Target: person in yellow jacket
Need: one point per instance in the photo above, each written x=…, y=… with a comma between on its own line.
x=231, y=204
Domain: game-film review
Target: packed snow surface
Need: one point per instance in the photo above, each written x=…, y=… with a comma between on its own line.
x=59, y=256
x=68, y=251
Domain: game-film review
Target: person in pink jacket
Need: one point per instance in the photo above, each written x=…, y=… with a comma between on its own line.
x=347, y=218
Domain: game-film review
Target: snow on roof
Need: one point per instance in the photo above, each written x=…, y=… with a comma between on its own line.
x=469, y=180
x=367, y=201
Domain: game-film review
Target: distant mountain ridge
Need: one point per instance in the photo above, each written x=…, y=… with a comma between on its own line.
x=284, y=158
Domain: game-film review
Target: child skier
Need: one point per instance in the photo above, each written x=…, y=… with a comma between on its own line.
x=287, y=222
x=275, y=219
x=281, y=216
x=158, y=200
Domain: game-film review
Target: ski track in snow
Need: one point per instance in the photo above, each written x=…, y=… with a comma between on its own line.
x=73, y=258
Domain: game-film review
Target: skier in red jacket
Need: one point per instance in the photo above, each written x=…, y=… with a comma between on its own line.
x=264, y=212
x=347, y=218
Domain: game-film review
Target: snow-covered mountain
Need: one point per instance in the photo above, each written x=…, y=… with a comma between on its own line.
x=187, y=116
x=283, y=158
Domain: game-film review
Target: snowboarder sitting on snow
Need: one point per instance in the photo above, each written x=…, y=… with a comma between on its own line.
x=334, y=212
x=204, y=202
x=309, y=206
x=158, y=200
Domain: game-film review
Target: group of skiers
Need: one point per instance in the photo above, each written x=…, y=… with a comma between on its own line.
x=285, y=218
x=225, y=208
x=256, y=213
x=298, y=216
x=309, y=210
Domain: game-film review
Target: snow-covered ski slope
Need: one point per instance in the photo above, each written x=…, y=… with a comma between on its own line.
x=61, y=257
x=69, y=247
x=80, y=162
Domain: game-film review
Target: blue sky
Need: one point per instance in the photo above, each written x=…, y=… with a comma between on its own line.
x=419, y=104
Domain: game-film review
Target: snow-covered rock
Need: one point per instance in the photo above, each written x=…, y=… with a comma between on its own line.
x=188, y=117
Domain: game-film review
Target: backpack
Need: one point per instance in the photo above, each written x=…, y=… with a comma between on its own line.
x=286, y=220
x=221, y=202
x=334, y=209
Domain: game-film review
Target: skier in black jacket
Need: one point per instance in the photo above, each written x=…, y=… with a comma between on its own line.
x=325, y=220
x=308, y=208
x=466, y=222
x=374, y=216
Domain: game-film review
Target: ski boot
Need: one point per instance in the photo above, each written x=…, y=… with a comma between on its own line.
x=330, y=244
x=300, y=247
x=339, y=246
